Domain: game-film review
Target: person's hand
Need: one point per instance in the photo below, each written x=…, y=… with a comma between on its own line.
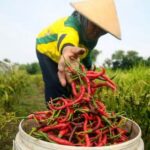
x=70, y=54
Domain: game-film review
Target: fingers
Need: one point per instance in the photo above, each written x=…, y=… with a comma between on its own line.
x=78, y=51
x=68, y=78
x=61, y=72
x=73, y=51
x=63, y=76
x=61, y=64
x=71, y=55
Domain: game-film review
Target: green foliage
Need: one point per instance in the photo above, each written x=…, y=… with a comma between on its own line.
x=132, y=96
x=147, y=62
x=118, y=55
x=122, y=60
x=20, y=95
x=13, y=84
x=108, y=63
x=32, y=68
x=37, y=80
x=94, y=54
x=8, y=123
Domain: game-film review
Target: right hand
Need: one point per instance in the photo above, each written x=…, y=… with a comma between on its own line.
x=70, y=54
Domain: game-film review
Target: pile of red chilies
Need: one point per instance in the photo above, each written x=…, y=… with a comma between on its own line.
x=82, y=119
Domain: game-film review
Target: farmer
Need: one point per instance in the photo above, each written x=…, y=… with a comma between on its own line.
x=71, y=39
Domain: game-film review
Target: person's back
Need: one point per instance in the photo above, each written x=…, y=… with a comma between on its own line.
x=53, y=28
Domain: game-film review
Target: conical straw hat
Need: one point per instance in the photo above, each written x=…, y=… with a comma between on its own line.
x=101, y=12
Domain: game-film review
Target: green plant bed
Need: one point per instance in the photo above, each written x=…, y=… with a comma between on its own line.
x=132, y=97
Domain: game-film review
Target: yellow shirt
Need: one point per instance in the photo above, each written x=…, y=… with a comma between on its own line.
x=51, y=40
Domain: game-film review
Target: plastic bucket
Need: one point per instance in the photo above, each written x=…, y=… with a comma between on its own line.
x=24, y=141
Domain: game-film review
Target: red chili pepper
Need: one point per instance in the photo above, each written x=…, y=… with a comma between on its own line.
x=124, y=138
x=121, y=131
x=59, y=140
x=93, y=90
x=51, y=106
x=61, y=120
x=83, y=68
x=100, y=105
x=63, y=132
x=88, y=86
x=95, y=75
x=99, y=123
x=87, y=139
x=99, y=133
x=92, y=129
x=108, y=84
x=51, y=127
x=31, y=116
x=71, y=70
x=38, y=117
x=72, y=133
x=43, y=112
x=102, y=112
x=103, y=141
x=109, y=80
x=110, y=129
x=99, y=85
x=82, y=89
x=89, y=117
x=86, y=98
x=73, y=86
x=101, y=108
x=77, y=124
x=113, y=87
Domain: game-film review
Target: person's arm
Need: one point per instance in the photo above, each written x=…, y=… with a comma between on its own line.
x=67, y=37
x=68, y=41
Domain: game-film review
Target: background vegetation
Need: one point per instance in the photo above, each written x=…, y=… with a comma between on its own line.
x=21, y=93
